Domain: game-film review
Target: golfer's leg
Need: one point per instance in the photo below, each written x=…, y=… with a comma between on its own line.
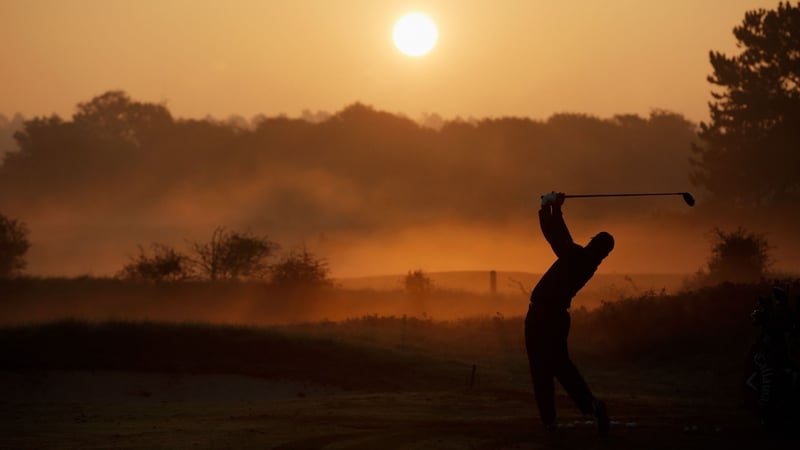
x=543, y=389
x=566, y=372
x=540, y=364
x=573, y=382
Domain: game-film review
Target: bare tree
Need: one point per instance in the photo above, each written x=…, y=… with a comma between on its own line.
x=233, y=255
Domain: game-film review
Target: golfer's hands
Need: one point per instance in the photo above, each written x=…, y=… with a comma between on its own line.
x=549, y=198
x=553, y=198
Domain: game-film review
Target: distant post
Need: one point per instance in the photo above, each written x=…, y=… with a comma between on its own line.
x=493, y=282
x=473, y=376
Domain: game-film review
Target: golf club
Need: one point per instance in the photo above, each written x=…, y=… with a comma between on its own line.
x=687, y=197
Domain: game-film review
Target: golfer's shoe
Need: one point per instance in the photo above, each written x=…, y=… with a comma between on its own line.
x=600, y=414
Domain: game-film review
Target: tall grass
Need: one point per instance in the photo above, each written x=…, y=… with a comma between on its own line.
x=705, y=330
x=218, y=349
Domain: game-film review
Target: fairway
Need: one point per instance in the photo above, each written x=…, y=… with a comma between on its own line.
x=124, y=410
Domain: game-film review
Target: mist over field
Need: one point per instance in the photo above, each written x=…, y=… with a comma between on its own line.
x=373, y=192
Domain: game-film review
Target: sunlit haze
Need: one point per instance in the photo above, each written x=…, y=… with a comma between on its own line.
x=310, y=132
x=219, y=58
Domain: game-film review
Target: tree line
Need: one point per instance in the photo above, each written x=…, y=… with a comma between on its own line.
x=117, y=154
x=487, y=170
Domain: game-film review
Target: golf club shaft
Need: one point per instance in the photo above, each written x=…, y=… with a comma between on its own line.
x=687, y=197
x=622, y=195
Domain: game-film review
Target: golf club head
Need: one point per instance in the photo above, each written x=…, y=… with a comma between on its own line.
x=688, y=198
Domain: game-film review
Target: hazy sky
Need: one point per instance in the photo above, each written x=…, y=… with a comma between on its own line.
x=501, y=57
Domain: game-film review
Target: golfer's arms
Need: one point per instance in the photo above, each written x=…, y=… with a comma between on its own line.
x=554, y=229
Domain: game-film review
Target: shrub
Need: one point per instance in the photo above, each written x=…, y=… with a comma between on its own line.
x=738, y=256
x=166, y=264
x=233, y=255
x=300, y=270
x=418, y=283
x=13, y=246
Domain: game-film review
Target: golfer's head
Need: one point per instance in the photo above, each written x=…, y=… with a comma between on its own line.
x=601, y=245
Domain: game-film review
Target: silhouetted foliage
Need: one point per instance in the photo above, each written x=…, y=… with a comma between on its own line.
x=8, y=127
x=751, y=148
x=738, y=256
x=233, y=255
x=417, y=282
x=13, y=246
x=106, y=142
x=166, y=264
x=708, y=327
x=116, y=116
x=300, y=270
x=117, y=155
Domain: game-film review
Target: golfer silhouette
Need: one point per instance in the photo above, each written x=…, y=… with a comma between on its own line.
x=548, y=320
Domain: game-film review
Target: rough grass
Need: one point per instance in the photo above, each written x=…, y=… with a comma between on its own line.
x=220, y=349
x=704, y=333
x=671, y=365
x=39, y=300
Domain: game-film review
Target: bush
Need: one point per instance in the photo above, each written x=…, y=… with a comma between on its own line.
x=166, y=264
x=739, y=256
x=418, y=283
x=229, y=255
x=300, y=270
x=233, y=255
x=13, y=246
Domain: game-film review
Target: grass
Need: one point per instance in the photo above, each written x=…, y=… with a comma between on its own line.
x=98, y=299
x=219, y=349
x=39, y=300
x=701, y=337
x=663, y=362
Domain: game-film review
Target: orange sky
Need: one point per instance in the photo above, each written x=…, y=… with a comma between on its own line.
x=507, y=57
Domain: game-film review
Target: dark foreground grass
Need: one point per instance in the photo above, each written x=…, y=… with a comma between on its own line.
x=218, y=349
x=701, y=333
x=693, y=344
x=368, y=421
x=670, y=367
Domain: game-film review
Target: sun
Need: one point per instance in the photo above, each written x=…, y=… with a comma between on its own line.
x=415, y=34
